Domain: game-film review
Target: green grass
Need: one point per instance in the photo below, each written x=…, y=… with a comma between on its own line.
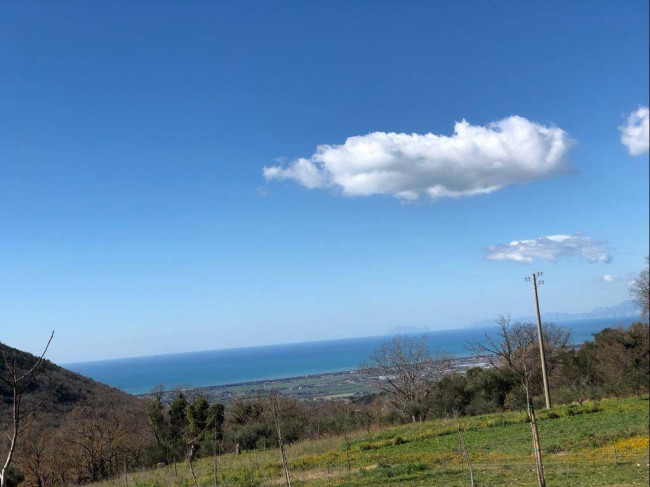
x=577, y=443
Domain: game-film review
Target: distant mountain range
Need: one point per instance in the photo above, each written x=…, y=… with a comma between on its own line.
x=626, y=309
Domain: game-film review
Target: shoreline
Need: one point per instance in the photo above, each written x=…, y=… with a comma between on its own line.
x=345, y=384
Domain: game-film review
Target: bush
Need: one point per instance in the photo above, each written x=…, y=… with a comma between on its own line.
x=553, y=449
x=14, y=477
x=385, y=470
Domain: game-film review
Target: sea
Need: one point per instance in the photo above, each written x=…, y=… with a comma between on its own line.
x=140, y=375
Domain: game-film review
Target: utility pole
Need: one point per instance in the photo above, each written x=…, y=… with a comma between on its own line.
x=540, y=337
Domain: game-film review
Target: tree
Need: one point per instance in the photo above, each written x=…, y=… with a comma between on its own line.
x=487, y=389
x=20, y=377
x=449, y=396
x=37, y=448
x=514, y=348
x=159, y=426
x=99, y=441
x=576, y=374
x=619, y=359
x=216, y=415
x=247, y=423
x=640, y=290
x=406, y=371
x=197, y=417
x=276, y=413
x=178, y=416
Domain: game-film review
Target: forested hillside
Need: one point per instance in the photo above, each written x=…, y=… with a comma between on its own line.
x=68, y=390
x=71, y=429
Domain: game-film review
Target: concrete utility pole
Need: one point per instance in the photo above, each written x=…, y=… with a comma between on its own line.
x=540, y=337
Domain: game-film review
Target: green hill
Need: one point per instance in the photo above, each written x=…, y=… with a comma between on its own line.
x=578, y=443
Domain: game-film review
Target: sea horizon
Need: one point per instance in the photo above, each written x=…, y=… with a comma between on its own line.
x=238, y=365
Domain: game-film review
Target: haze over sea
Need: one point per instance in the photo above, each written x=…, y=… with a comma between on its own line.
x=139, y=375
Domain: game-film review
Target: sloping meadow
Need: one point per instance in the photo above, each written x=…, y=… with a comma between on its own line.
x=596, y=443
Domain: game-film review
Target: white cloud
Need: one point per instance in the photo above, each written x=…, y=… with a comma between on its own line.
x=627, y=277
x=634, y=134
x=549, y=248
x=474, y=160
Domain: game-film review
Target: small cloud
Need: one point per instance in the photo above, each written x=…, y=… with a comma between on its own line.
x=627, y=277
x=634, y=134
x=550, y=248
x=474, y=160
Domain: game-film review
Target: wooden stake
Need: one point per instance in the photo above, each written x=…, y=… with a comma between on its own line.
x=536, y=447
x=464, y=450
x=215, y=465
x=347, y=451
x=276, y=417
x=190, y=454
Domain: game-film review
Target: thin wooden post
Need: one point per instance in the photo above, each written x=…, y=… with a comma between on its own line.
x=126, y=477
x=276, y=417
x=464, y=450
x=347, y=451
x=215, y=465
x=615, y=458
x=536, y=447
x=190, y=454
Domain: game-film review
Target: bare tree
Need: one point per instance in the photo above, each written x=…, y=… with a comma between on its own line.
x=514, y=348
x=35, y=455
x=640, y=289
x=99, y=440
x=406, y=371
x=275, y=411
x=19, y=377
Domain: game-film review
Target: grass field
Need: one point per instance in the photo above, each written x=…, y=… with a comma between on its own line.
x=578, y=444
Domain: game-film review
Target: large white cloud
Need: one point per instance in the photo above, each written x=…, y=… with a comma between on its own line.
x=549, y=248
x=634, y=134
x=474, y=160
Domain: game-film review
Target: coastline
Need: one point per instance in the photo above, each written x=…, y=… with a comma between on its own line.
x=221, y=370
x=346, y=384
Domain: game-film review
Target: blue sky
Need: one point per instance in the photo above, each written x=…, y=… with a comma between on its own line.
x=136, y=219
